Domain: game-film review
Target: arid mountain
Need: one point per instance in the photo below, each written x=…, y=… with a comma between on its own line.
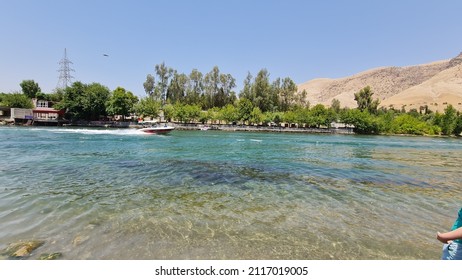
x=434, y=85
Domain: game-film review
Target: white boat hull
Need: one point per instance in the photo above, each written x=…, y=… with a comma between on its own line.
x=157, y=130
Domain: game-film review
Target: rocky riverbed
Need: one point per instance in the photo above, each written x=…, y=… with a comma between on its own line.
x=24, y=250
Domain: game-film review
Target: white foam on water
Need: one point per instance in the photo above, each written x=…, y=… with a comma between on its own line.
x=90, y=131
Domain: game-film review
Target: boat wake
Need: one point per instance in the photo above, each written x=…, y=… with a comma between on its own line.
x=90, y=131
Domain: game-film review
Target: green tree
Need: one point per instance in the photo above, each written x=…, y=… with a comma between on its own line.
x=218, y=89
x=244, y=109
x=211, y=87
x=214, y=114
x=365, y=101
x=458, y=128
x=30, y=88
x=149, y=85
x=275, y=97
x=121, y=102
x=186, y=113
x=169, y=111
x=304, y=116
x=436, y=119
x=385, y=121
x=321, y=116
x=195, y=88
x=177, y=89
x=228, y=113
x=262, y=91
x=247, y=92
x=335, y=105
x=84, y=102
x=96, y=96
x=73, y=101
x=41, y=96
x=278, y=117
x=226, y=93
x=301, y=99
x=449, y=120
x=193, y=112
x=148, y=107
x=287, y=94
x=179, y=112
x=15, y=100
x=164, y=74
x=408, y=124
x=290, y=117
x=256, y=117
x=56, y=96
x=267, y=118
x=362, y=121
x=205, y=116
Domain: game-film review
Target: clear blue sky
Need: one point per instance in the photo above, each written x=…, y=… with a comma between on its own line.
x=290, y=38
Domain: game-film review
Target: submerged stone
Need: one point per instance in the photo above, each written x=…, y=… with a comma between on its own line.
x=79, y=240
x=52, y=256
x=21, y=249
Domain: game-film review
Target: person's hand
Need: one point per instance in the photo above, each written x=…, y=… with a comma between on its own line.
x=442, y=239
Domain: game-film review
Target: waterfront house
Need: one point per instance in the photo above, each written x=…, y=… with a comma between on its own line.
x=44, y=113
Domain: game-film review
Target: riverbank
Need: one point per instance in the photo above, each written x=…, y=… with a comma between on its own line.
x=222, y=127
x=226, y=127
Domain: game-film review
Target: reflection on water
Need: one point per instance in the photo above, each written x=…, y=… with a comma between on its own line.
x=115, y=194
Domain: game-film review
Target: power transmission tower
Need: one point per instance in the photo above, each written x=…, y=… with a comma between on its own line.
x=65, y=77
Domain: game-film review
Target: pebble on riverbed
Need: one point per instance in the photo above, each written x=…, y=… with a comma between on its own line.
x=53, y=256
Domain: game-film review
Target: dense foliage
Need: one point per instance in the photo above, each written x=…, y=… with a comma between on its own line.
x=198, y=98
x=121, y=102
x=30, y=88
x=85, y=101
x=15, y=100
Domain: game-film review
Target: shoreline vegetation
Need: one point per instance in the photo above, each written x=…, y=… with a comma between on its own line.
x=215, y=127
x=262, y=105
x=237, y=128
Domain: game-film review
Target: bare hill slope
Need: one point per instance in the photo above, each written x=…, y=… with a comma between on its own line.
x=406, y=85
x=437, y=92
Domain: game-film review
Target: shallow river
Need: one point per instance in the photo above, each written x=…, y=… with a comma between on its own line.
x=121, y=194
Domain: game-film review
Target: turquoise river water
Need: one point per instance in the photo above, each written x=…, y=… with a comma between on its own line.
x=121, y=194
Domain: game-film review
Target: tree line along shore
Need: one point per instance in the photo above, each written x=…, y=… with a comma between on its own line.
x=210, y=99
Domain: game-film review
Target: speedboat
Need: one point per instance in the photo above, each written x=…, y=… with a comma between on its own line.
x=157, y=129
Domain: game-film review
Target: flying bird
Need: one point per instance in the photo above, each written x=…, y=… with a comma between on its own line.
x=105, y=54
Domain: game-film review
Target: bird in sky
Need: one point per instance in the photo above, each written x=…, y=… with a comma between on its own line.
x=105, y=54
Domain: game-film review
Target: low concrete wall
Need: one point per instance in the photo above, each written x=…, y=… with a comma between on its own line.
x=20, y=113
x=265, y=128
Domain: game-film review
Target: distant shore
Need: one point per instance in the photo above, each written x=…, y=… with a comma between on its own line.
x=220, y=127
x=223, y=127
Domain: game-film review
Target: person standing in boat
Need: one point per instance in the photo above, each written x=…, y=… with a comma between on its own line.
x=452, y=248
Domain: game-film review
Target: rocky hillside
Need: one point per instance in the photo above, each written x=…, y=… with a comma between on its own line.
x=434, y=85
